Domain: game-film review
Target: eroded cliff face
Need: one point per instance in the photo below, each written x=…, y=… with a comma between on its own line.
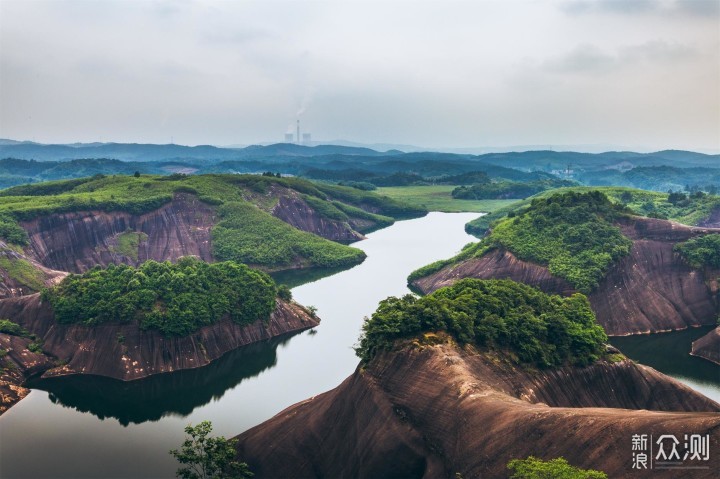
x=296, y=212
x=438, y=411
x=124, y=351
x=20, y=275
x=708, y=347
x=18, y=364
x=77, y=241
x=650, y=290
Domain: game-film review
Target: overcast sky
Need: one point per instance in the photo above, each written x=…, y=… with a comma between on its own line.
x=632, y=73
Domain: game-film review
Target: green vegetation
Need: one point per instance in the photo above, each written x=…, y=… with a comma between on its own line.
x=129, y=242
x=439, y=198
x=372, y=202
x=246, y=202
x=248, y=235
x=507, y=189
x=559, y=468
x=701, y=252
x=379, y=220
x=11, y=232
x=470, y=250
x=23, y=272
x=13, y=329
x=530, y=326
x=571, y=233
x=207, y=457
x=691, y=211
x=658, y=178
x=175, y=299
x=325, y=208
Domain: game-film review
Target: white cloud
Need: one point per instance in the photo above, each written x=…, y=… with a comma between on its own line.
x=429, y=73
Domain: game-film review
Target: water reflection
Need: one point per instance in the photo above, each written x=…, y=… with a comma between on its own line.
x=297, y=277
x=669, y=353
x=152, y=398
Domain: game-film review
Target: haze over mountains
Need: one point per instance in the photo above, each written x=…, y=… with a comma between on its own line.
x=154, y=152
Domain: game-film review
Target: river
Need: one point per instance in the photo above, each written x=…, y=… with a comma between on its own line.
x=95, y=427
x=90, y=427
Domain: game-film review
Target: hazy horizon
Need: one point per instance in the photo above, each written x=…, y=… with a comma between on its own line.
x=584, y=74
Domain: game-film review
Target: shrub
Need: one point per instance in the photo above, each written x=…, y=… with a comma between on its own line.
x=559, y=468
x=571, y=233
x=701, y=252
x=11, y=232
x=532, y=326
x=284, y=293
x=207, y=457
x=175, y=299
x=13, y=329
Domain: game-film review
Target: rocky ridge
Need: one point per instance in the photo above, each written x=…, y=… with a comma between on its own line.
x=441, y=410
x=650, y=290
x=126, y=352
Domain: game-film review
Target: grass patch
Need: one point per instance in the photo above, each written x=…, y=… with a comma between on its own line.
x=247, y=234
x=13, y=329
x=439, y=198
x=128, y=244
x=23, y=272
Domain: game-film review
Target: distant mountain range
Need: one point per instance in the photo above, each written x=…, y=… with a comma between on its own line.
x=29, y=162
x=28, y=150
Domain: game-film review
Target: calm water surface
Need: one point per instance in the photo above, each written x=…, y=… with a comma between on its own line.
x=94, y=427
x=669, y=353
x=90, y=427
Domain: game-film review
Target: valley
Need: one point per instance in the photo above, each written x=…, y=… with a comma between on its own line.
x=118, y=327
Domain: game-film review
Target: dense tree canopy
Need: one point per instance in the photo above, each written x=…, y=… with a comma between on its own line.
x=701, y=252
x=571, y=233
x=176, y=299
x=528, y=324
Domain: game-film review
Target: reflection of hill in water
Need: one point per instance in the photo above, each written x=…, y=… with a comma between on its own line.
x=670, y=353
x=297, y=277
x=151, y=398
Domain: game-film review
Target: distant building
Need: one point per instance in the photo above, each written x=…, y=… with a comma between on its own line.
x=289, y=138
x=306, y=138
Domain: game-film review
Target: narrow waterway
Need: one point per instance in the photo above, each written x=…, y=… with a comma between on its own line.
x=94, y=427
x=90, y=427
x=669, y=353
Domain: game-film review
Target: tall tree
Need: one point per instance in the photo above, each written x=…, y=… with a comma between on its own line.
x=205, y=457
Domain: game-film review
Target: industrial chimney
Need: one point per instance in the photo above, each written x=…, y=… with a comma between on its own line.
x=298, y=131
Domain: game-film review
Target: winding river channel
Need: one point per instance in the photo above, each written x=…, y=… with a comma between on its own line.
x=90, y=427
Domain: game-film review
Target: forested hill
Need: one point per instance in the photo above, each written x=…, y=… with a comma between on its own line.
x=26, y=162
x=265, y=221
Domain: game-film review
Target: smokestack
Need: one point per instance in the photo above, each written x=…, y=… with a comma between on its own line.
x=298, y=131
